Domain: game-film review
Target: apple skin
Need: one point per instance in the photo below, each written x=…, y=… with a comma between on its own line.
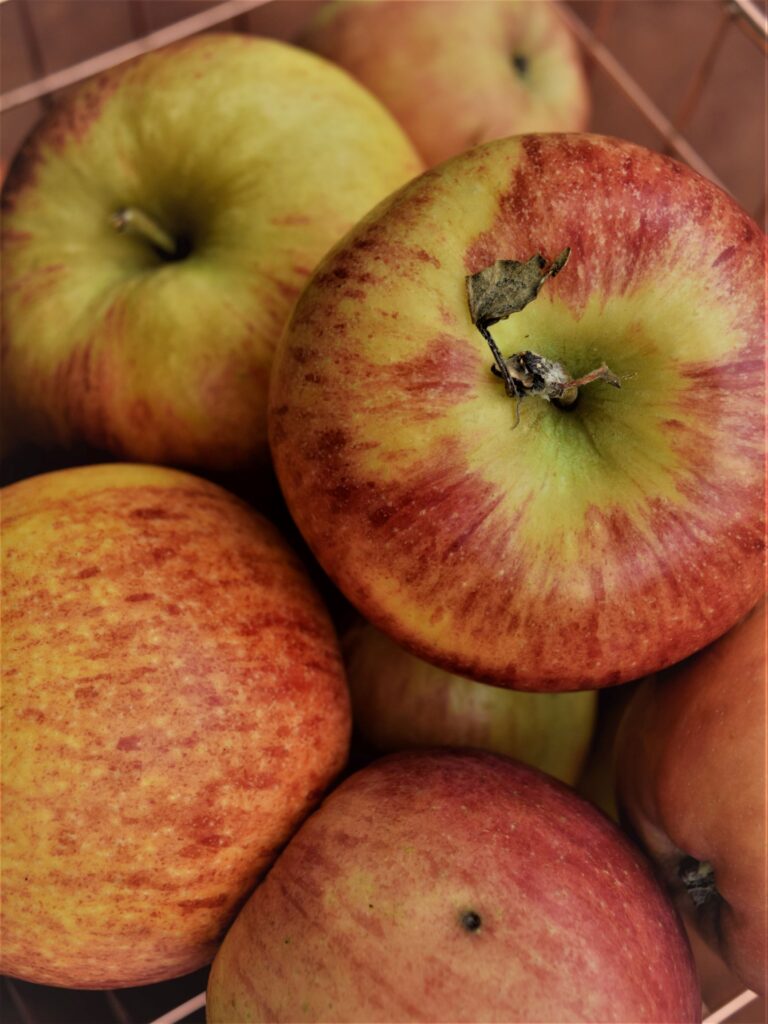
x=582, y=548
x=691, y=781
x=597, y=781
x=256, y=154
x=447, y=71
x=400, y=702
x=174, y=704
x=362, y=916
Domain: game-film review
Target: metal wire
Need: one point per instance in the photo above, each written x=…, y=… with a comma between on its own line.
x=209, y=18
x=184, y=1010
x=635, y=93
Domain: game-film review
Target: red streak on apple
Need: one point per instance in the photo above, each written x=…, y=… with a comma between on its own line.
x=617, y=216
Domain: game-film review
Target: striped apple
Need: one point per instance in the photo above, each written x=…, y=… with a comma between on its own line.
x=174, y=705
x=585, y=545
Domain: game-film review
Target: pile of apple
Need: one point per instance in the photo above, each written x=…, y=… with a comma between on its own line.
x=515, y=407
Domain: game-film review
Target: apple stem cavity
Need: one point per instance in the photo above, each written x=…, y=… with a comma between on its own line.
x=698, y=878
x=506, y=287
x=133, y=221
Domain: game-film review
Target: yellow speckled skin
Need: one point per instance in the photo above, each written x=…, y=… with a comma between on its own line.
x=174, y=704
x=259, y=156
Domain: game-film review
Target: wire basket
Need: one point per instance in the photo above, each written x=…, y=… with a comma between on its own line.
x=687, y=78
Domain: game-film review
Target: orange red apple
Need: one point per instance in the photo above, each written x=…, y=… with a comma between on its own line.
x=174, y=704
x=692, y=782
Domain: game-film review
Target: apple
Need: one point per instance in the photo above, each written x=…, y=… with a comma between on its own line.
x=399, y=702
x=174, y=704
x=455, y=886
x=456, y=74
x=597, y=781
x=158, y=227
x=568, y=543
x=719, y=985
x=691, y=776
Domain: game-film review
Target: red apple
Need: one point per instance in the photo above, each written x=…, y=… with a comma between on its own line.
x=400, y=702
x=443, y=886
x=157, y=228
x=692, y=784
x=500, y=536
x=174, y=704
x=456, y=74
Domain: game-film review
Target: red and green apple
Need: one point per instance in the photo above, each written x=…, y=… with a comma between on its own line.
x=455, y=886
x=174, y=705
x=157, y=228
x=460, y=73
x=400, y=702
x=539, y=544
x=692, y=783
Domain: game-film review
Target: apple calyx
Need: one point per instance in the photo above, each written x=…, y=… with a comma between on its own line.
x=131, y=220
x=698, y=878
x=506, y=287
x=470, y=921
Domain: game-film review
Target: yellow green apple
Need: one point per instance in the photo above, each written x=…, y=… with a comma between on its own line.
x=157, y=228
x=456, y=74
x=174, y=705
x=496, y=506
x=400, y=702
x=455, y=886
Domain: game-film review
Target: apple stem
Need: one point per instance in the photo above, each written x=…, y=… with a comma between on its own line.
x=502, y=370
x=506, y=287
x=527, y=373
x=133, y=221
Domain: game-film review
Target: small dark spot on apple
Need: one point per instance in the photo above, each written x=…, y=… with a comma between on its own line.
x=85, y=574
x=470, y=921
x=520, y=63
